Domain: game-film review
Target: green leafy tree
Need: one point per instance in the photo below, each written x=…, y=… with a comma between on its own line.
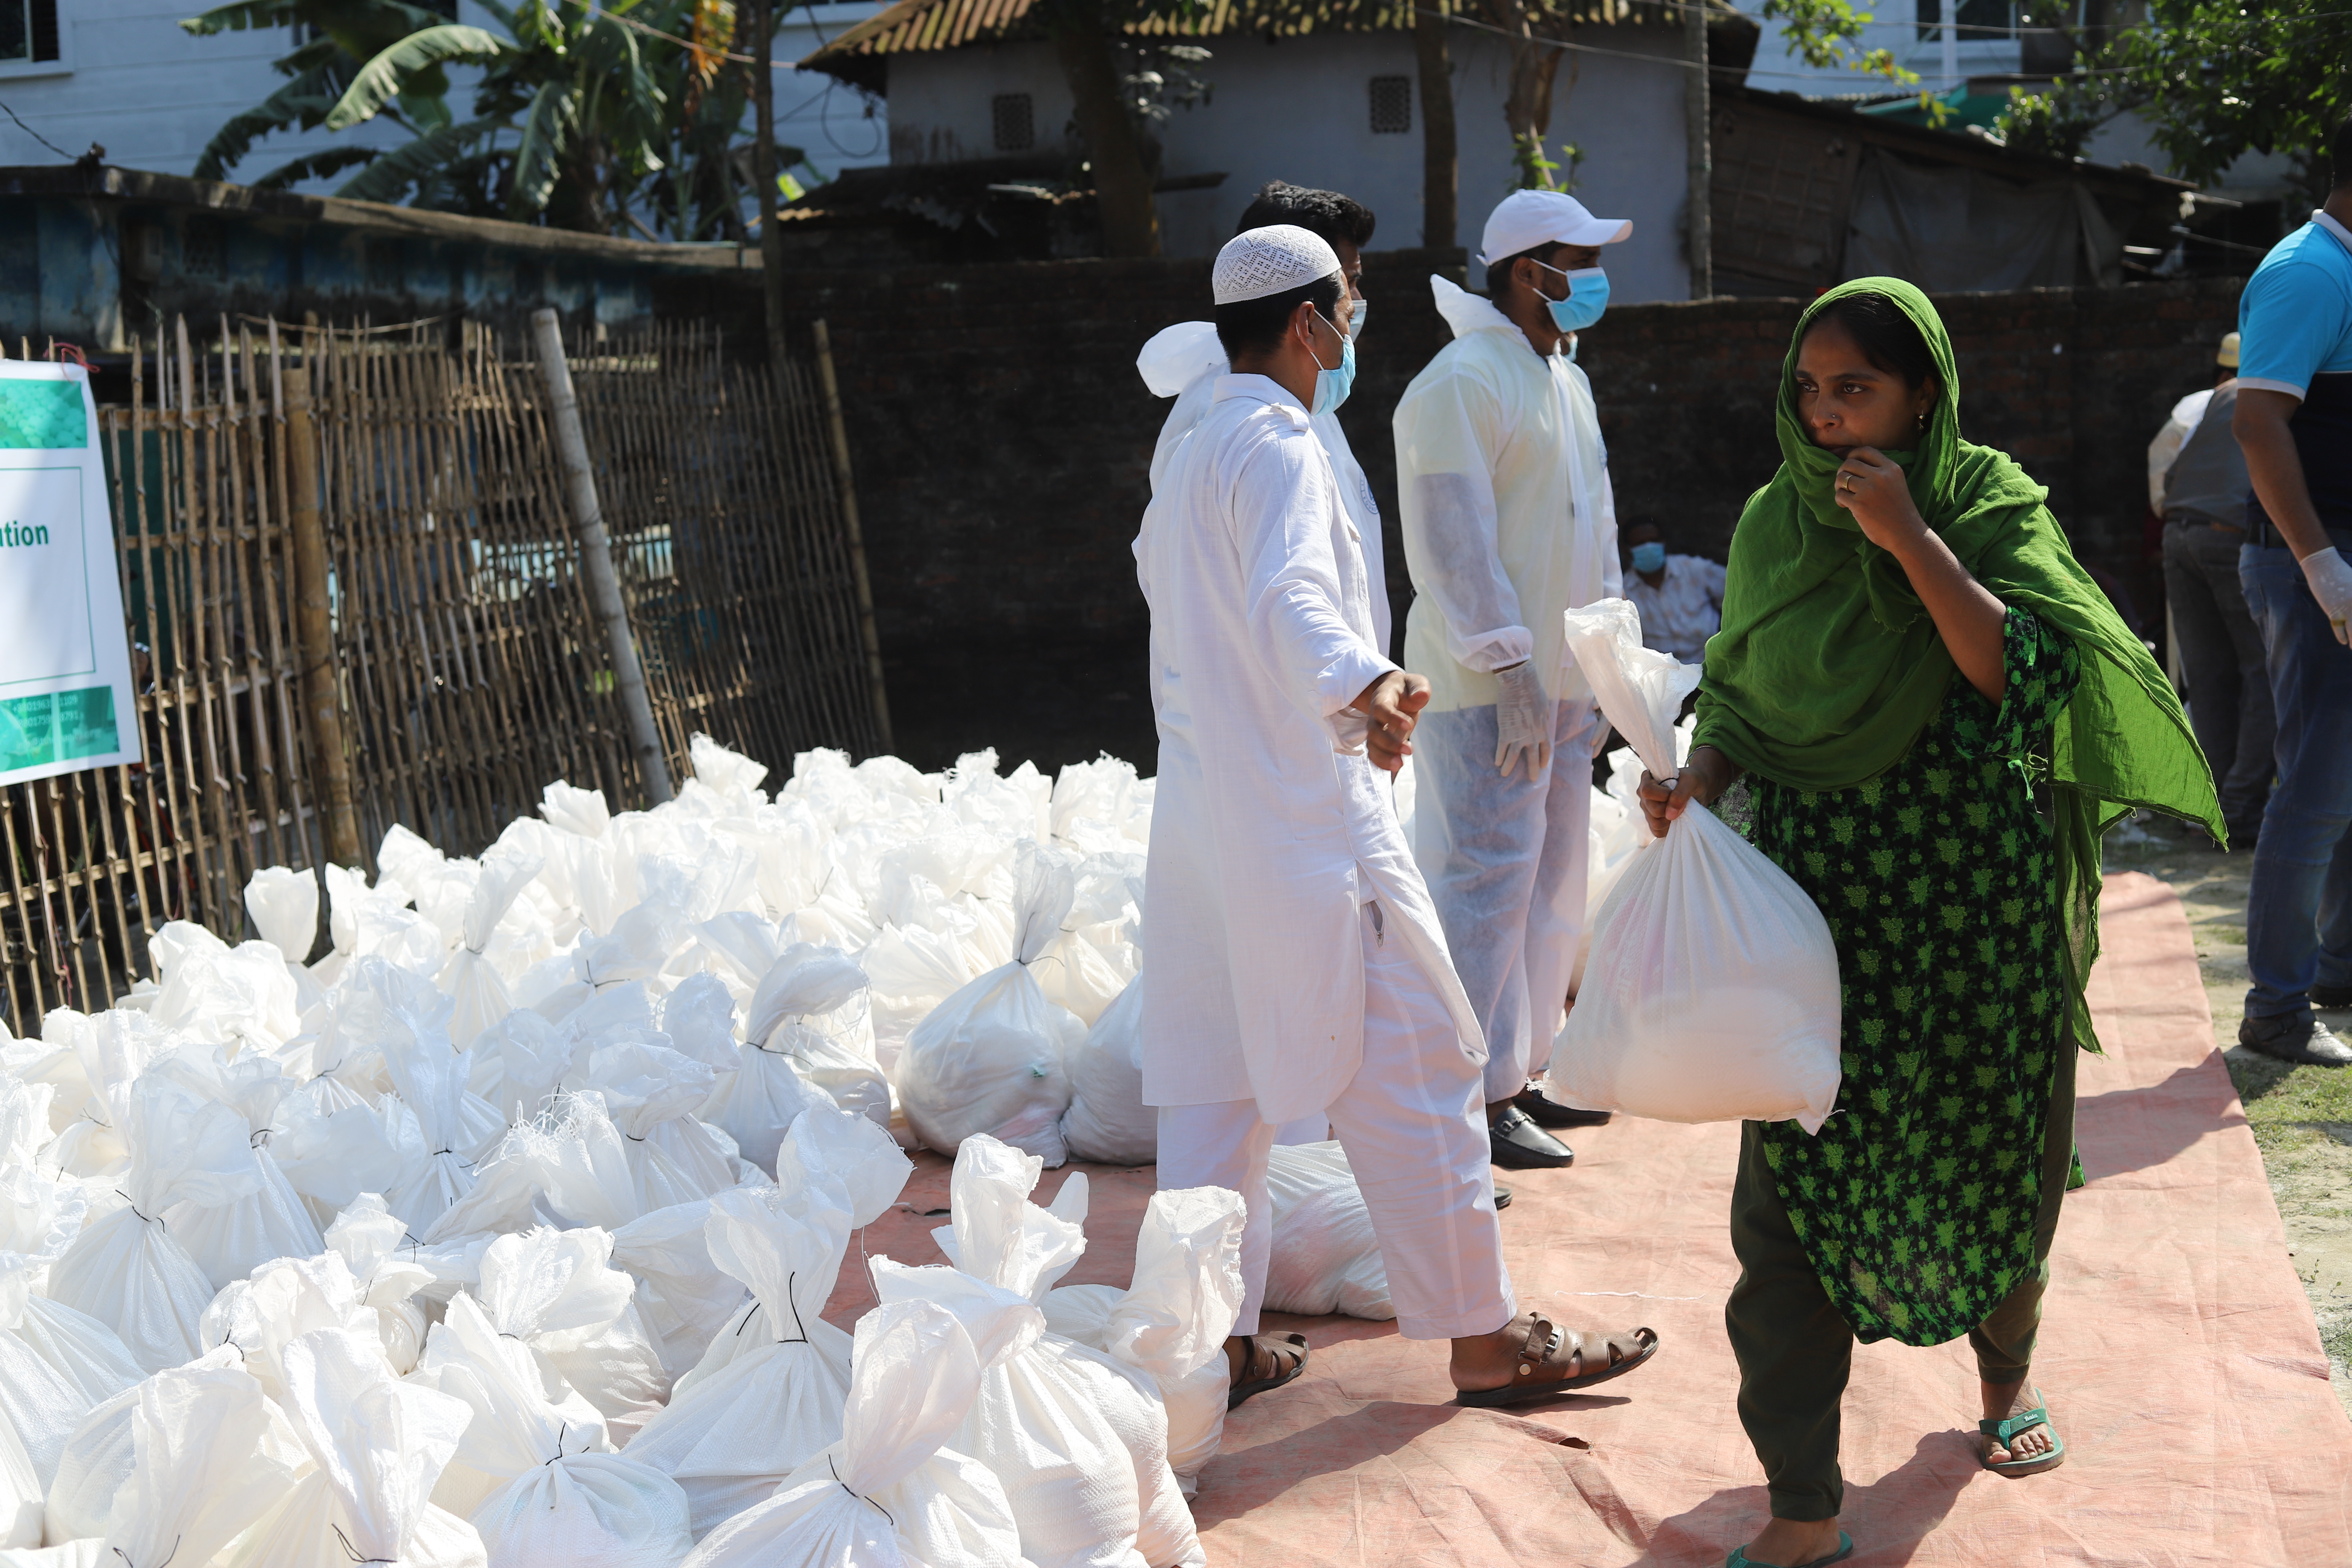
x=578, y=118
x=2215, y=79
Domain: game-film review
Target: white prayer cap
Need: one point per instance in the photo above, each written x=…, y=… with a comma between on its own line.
x=1526, y=219
x=1270, y=260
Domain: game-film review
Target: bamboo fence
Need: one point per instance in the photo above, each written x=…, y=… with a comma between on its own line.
x=355, y=599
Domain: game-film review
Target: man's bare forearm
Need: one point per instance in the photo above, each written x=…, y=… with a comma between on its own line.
x=2260, y=423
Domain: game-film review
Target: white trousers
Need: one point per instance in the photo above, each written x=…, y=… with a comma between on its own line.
x=1506, y=860
x=1413, y=1122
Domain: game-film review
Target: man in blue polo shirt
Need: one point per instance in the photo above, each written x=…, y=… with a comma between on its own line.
x=2294, y=421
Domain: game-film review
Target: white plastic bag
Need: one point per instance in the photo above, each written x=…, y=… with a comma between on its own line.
x=127, y=1270
x=39, y=1401
x=811, y=1006
x=1108, y=1120
x=993, y=1058
x=474, y=987
x=1172, y=1320
x=379, y=1444
x=200, y=1470
x=1711, y=994
x=1325, y=1257
x=1044, y=1419
x=886, y=1495
x=554, y=1291
x=730, y=1438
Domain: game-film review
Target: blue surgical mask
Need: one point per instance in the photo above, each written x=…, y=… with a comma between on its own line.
x=1588, y=295
x=1331, y=386
x=1649, y=556
x=1356, y=322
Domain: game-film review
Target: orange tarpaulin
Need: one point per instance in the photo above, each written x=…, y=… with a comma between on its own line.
x=2178, y=1355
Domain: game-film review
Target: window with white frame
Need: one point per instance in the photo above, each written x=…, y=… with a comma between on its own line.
x=1391, y=105
x=28, y=32
x=1013, y=121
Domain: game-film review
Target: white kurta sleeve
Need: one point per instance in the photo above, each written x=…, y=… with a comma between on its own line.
x=1283, y=508
x=1447, y=434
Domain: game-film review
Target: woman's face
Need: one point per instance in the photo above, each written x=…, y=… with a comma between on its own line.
x=1844, y=401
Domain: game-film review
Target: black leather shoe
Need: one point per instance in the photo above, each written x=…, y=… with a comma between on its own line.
x=1518, y=1145
x=2297, y=1037
x=1502, y=1197
x=1545, y=1113
x=2331, y=998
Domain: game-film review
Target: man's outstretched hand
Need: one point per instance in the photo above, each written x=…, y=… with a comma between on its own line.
x=1393, y=704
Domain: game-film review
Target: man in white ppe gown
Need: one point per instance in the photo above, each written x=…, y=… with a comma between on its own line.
x=1294, y=963
x=1509, y=520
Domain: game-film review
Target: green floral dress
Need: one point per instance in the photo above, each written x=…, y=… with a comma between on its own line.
x=1916, y=1200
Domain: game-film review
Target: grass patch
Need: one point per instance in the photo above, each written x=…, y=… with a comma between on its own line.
x=2276, y=1092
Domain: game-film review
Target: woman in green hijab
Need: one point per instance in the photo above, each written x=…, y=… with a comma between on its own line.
x=1933, y=714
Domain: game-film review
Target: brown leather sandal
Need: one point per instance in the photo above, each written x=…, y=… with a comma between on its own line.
x=1550, y=1349
x=1286, y=1351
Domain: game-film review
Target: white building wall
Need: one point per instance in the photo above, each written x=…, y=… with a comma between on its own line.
x=153, y=95
x=1300, y=110
x=1779, y=68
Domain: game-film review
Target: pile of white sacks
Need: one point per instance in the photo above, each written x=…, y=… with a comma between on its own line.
x=500, y=1235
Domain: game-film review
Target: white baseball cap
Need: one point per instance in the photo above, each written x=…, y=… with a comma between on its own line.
x=1526, y=219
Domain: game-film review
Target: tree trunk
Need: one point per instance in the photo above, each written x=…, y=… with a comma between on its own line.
x=1527, y=106
x=1439, y=170
x=1130, y=224
x=1697, y=130
x=764, y=174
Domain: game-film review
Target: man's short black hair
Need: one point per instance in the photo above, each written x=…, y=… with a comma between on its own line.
x=2342, y=155
x=1255, y=326
x=1498, y=274
x=1328, y=214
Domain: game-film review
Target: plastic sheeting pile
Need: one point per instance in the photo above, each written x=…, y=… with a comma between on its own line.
x=499, y=1235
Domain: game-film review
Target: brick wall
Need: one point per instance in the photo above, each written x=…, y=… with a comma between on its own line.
x=1002, y=442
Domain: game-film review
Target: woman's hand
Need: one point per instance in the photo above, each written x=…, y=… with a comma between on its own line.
x=1869, y=484
x=1705, y=777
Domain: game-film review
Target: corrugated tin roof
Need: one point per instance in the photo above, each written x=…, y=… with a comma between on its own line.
x=914, y=26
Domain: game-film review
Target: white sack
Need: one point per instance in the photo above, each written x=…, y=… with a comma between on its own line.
x=1325, y=1257
x=552, y=1292
x=477, y=993
x=20, y=1493
x=730, y=1438
x=201, y=1472
x=886, y=1494
x=127, y=1270
x=993, y=1058
x=1711, y=993
x=1108, y=1120
x=811, y=1006
x=1172, y=1322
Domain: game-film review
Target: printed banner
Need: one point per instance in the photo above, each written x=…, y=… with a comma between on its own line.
x=66, y=701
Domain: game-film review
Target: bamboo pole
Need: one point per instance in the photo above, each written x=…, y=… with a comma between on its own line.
x=596, y=554
x=1698, y=134
x=314, y=632
x=848, y=487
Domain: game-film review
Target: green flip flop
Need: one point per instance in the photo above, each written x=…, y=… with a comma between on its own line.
x=2002, y=1432
x=1740, y=1558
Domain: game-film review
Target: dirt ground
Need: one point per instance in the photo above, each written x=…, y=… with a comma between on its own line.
x=2302, y=1116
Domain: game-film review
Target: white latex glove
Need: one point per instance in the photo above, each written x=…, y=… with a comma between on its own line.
x=1523, y=722
x=2331, y=584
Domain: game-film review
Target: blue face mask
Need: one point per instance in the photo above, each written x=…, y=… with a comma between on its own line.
x=1331, y=386
x=1649, y=556
x=1588, y=295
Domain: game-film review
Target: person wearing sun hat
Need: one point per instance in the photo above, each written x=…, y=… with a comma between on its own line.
x=1509, y=520
x=1296, y=964
x=1923, y=710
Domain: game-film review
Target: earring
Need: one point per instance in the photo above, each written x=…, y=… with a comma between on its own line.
x=1922, y=421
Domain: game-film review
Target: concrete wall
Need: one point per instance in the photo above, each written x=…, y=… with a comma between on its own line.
x=1002, y=438
x=1299, y=109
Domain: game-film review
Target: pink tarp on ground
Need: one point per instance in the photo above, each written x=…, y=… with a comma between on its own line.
x=2178, y=1355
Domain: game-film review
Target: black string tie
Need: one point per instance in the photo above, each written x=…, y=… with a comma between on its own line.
x=560, y=1431
x=134, y=1209
x=175, y=1549
x=845, y=1486
x=353, y=1553
x=799, y=1326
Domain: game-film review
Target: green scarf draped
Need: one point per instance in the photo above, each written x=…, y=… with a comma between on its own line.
x=1828, y=667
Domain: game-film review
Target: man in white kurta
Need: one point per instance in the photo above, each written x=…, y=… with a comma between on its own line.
x=1293, y=964
x=1509, y=520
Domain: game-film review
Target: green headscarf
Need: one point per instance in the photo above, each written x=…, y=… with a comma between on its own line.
x=1828, y=668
